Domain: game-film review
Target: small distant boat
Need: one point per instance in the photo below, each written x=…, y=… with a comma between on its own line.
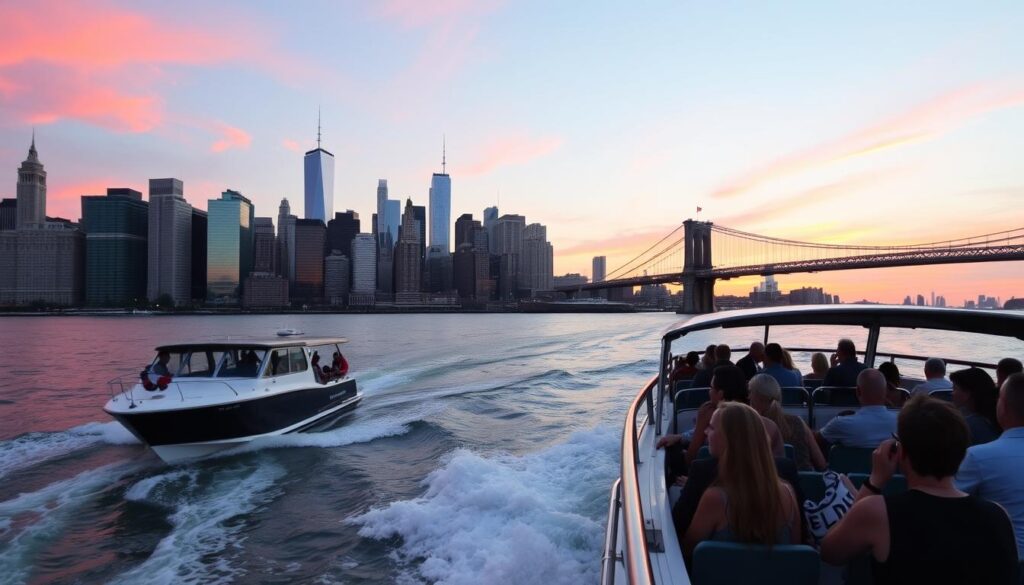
x=289, y=332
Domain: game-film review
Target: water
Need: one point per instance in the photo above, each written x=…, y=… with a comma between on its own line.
x=483, y=452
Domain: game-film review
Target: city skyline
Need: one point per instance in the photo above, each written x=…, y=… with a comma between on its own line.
x=916, y=133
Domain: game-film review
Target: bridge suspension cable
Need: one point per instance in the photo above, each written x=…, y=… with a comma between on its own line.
x=621, y=270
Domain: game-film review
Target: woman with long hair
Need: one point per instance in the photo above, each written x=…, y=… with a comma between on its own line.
x=707, y=361
x=975, y=394
x=766, y=398
x=748, y=502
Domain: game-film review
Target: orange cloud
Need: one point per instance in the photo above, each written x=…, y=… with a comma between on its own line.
x=65, y=199
x=511, y=150
x=230, y=137
x=291, y=145
x=924, y=121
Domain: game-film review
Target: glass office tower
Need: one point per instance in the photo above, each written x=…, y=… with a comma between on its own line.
x=440, y=211
x=319, y=181
x=229, y=246
x=116, y=231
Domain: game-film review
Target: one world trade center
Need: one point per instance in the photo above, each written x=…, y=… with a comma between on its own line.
x=319, y=175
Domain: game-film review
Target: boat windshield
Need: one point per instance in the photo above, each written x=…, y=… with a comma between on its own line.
x=240, y=363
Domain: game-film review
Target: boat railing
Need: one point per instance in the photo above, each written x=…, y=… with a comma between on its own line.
x=636, y=557
x=125, y=386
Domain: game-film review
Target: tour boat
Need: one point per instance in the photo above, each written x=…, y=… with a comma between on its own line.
x=198, y=398
x=641, y=543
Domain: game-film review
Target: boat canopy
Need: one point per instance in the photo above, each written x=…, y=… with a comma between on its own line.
x=1000, y=323
x=252, y=343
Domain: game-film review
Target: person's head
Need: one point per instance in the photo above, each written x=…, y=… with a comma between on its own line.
x=766, y=398
x=934, y=368
x=819, y=363
x=933, y=437
x=692, y=358
x=316, y=357
x=728, y=384
x=723, y=353
x=845, y=349
x=326, y=369
x=757, y=351
x=891, y=373
x=163, y=357
x=1010, y=408
x=336, y=355
x=773, y=353
x=709, y=355
x=974, y=391
x=738, y=438
x=871, y=387
x=1005, y=367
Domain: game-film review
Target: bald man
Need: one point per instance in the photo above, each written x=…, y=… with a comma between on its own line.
x=870, y=425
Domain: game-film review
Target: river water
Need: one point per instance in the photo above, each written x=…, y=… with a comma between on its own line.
x=483, y=452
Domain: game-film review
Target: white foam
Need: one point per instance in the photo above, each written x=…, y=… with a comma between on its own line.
x=203, y=542
x=34, y=448
x=507, y=519
x=51, y=506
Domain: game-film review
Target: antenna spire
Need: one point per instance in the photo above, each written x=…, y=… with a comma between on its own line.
x=318, y=126
x=444, y=148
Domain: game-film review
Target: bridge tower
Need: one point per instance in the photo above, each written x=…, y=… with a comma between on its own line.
x=698, y=292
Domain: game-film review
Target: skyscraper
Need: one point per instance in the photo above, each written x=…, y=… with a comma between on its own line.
x=507, y=245
x=441, y=208
x=465, y=226
x=537, y=260
x=598, y=270
x=286, y=240
x=264, y=257
x=364, y=269
x=341, y=231
x=116, y=228
x=8, y=214
x=310, y=238
x=31, y=191
x=170, y=241
x=319, y=175
x=490, y=220
x=387, y=241
x=336, y=277
x=407, y=259
x=229, y=246
x=200, y=219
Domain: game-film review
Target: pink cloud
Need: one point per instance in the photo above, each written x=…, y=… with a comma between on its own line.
x=924, y=121
x=230, y=137
x=291, y=145
x=511, y=150
x=417, y=14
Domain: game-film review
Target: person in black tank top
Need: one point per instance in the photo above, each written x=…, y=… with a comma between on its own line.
x=932, y=533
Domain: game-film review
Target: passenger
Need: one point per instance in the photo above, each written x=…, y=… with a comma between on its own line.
x=766, y=398
x=787, y=362
x=248, y=364
x=748, y=503
x=773, y=366
x=749, y=363
x=933, y=532
x=871, y=424
x=707, y=362
x=1005, y=368
x=819, y=367
x=845, y=366
x=703, y=378
x=315, y=363
x=160, y=367
x=339, y=365
x=995, y=471
x=894, y=395
x=935, y=373
x=976, y=395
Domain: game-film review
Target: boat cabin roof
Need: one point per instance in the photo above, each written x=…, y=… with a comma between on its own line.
x=1001, y=323
x=252, y=343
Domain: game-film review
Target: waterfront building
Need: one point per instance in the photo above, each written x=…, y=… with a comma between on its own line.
x=598, y=269
x=40, y=261
x=116, y=227
x=570, y=279
x=464, y=270
x=263, y=290
x=364, y=270
x=490, y=220
x=318, y=167
x=169, y=264
x=310, y=238
x=387, y=240
x=200, y=221
x=465, y=226
x=336, y=278
x=439, y=270
x=809, y=296
x=507, y=244
x=537, y=260
x=264, y=255
x=482, y=266
x=341, y=231
x=8, y=214
x=229, y=246
x=408, y=277
x=286, y=240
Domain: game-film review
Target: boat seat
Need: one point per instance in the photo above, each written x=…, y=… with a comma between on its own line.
x=686, y=403
x=684, y=384
x=705, y=453
x=827, y=402
x=812, y=385
x=727, y=563
x=946, y=395
x=896, y=485
x=850, y=459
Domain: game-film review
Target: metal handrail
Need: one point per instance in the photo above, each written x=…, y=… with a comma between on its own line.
x=879, y=353
x=125, y=386
x=611, y=535
x=637, y=560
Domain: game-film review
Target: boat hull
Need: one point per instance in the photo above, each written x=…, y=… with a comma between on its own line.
x=194, y=432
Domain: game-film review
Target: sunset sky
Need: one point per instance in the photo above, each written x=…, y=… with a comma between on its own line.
x=867, y=123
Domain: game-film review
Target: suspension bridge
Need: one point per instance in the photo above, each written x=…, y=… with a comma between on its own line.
x=684, y=256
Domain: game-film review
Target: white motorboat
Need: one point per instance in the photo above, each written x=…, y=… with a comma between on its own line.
x=641, y=541
x=198, y=398
x=289, y=332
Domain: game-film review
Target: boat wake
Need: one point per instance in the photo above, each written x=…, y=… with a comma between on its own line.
x=34, y=448
x=506, y=519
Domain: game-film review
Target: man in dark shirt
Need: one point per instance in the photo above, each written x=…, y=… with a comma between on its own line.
x=748, y=363
x=845, y=366
x=703, y=377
